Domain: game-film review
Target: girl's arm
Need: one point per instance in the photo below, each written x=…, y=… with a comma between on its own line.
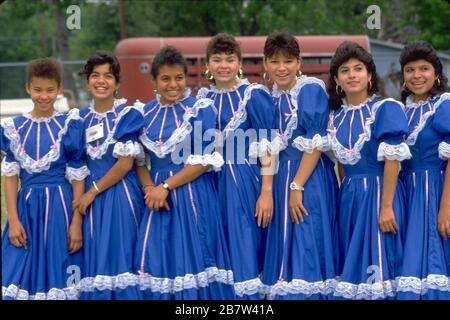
x=444, y=209
x=305, y=169
x=75, y=237
x=264, y=205
x=17, y=234
x=387, y=218
x=156, y=197
x=122, y=166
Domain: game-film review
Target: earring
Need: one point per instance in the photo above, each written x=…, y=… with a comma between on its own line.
x=438, y=81
x=299, y=73
x=241, y=74
x=266, y=77
x=404, y=85
x=337, y=90
x=208, y=75
x=370, y=85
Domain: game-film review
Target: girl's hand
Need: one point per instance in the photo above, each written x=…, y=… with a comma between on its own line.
x=156, y=198
x=264, y=208
x=387, y=221
x=444, y=222
x=75, y=235
x=17, y=234
x=85, y=201
x=296, y=207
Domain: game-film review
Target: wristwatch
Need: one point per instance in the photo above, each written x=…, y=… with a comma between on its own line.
x=295, y=187
x=166, y=186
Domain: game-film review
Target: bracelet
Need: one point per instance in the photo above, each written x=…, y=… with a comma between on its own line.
x=95, y=186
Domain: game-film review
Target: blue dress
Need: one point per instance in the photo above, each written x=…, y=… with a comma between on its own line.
x=299, y=259
x=46, y=154
x=361, y=138
x=111, y=223
x=245, y=117
x=182, y=253
x=426, y=266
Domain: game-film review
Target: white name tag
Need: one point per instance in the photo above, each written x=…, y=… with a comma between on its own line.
x=94, y=133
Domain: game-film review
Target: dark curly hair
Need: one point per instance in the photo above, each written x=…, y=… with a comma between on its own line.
x=170, y=56
x=98, y=59
x=281, y=42
x=48, y=68
x=423, y=50
x=223, y=43
x=346, y=51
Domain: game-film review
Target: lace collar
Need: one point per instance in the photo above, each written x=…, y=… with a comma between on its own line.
x=116, y=103
x=186, y=94
x=42, y=119
x=276, y=92
x=347, y=106
x=410, y=104
x=240, y=83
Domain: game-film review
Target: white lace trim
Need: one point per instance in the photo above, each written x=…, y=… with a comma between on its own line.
x=77, y=173
x=240, y=115
x=411, y=139
x=348, y=107
x=398, y=152
x=215, y=160
x=99, y=152
x=421, y=286
x=299, y=286
x=240, y=83
x=127, y=149
x=444, y=150
x=248, y=287
x=101, y=115
x=26, y=162
x=186, y=94
x=42, y=119
x=352, y=156
x=410, y=104
x=294, y=93
x=365, y=291
x=10, y=169
x=13, y=291
x=261, y=148
x=179, y=134
x=321, y=143
x=188, y=281
x=101, y=282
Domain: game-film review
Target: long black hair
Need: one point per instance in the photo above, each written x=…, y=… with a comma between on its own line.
x=346, y=51
x=423, y=50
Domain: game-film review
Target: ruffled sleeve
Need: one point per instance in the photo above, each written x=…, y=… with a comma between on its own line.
x=203, y=119
x=391, y=127
x=441, y=123
x=261, y=112
x=9, y=167
x=129, y=124
x=73, y=144
x=313, y=114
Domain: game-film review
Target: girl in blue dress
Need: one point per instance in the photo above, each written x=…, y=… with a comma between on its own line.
x=426, y=265
x=113, y=203
x=245, y=119
x=299, y=260
x=43, y=149
x=367, y=137
x=181, y=252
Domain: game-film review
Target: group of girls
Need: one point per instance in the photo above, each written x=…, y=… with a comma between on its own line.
x=165, y=200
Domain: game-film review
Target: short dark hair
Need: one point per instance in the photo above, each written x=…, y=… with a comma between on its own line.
x=48, y=68
x=223, y=43
x=281, y=42
x=423, y=50
x=98, y=59
x=170, y=56
x=346, y=51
